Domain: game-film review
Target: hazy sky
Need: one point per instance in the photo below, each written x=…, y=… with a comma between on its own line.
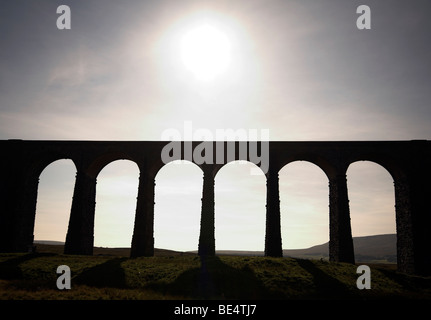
x=301, y=69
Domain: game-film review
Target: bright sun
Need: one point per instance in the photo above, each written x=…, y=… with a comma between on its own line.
x=205, y=52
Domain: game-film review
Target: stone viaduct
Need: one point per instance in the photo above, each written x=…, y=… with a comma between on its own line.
x=408, y=162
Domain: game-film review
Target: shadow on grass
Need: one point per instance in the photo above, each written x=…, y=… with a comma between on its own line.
x=107, y=274
x=327, y=287
x=214, y=280
x=10, y=269
x=416, y=284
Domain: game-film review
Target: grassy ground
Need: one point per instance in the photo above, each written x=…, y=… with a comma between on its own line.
x=33, y=276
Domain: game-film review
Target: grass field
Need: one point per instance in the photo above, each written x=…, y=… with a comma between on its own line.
x=33, y=276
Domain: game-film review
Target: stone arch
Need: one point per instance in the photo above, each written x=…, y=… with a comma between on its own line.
x=245, y=221
x=177, y=208
x=254, y=170
x=303, y=214
x=116, y=192
x=60, y=218
x=372, y=204
x=39, y=164
x=378, y=169
x=184, y=152
x=176, y=162
x=407, y=162
x=387, y=162
x=35, y=165
x=157, y=167
x=326, y=164
x=98, y=163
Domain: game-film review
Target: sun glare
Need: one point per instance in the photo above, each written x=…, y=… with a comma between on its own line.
x=205, y=52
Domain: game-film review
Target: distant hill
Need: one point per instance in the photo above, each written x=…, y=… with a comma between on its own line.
x=58, y=248
x=377, y=249
x=50, y=242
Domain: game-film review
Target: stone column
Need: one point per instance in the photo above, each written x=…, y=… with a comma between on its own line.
x=143, y=232
x=24, y=214
x=80, y=233
x=273, y=246
x=404, y=223
x=340, y=232
x=207, y=232
x=7, y=196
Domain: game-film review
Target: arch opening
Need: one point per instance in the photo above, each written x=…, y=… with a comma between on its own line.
x=304, y=206
x=116, y=192
x=372, y=211
x=54, y=201
x=240, y=207
x=177, y=209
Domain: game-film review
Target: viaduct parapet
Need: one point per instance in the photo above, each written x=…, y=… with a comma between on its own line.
x=408, y=162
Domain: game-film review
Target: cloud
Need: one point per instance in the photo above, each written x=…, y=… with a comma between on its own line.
x=80, y=67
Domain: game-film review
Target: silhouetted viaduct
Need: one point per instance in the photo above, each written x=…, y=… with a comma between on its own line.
x=408, y=162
